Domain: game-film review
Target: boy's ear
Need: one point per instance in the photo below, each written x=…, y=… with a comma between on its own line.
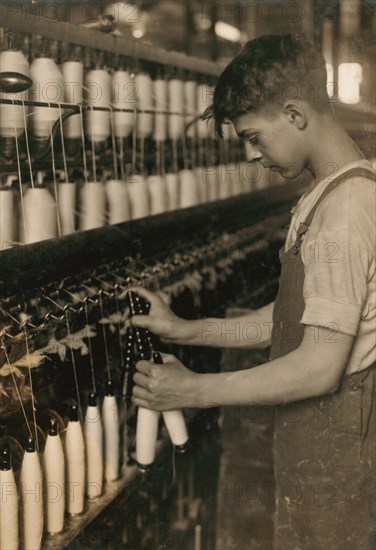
x=296, y=114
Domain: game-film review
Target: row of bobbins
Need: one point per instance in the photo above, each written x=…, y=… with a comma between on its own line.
x=46, y=210
x=45, y=214
x=120, y=88
x=56, y=483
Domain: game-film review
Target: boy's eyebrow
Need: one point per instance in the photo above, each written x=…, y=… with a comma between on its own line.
x=244, y=133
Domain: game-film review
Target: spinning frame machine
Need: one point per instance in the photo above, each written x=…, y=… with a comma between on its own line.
x=114, y=182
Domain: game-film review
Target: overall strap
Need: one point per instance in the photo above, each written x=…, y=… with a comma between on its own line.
x=352, y=173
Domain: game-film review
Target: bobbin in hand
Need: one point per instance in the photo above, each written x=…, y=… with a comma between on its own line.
x=161, y=321
x=164, y=387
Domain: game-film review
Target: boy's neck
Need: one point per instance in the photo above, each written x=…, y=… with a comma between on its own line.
x=332, y=148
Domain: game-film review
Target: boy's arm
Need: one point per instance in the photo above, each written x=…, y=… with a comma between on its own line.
x=313, y=369
x=252, y=330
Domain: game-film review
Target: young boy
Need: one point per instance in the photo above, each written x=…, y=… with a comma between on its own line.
x=323, y=341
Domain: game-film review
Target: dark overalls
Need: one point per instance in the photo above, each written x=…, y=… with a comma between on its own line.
x=324, y=447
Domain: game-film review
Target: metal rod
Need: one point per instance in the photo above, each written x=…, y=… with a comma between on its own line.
x=76, y=107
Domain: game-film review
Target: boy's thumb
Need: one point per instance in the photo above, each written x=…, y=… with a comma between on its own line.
x=141, y=321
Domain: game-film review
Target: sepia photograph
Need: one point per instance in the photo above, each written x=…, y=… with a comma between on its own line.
x=188, y=275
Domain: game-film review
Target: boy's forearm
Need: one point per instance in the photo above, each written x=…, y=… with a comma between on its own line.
x=314, y=368
x=280, y=381
x=267, y=384
x=252, y=330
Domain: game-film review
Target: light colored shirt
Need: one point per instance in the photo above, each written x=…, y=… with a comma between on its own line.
x=339, y=257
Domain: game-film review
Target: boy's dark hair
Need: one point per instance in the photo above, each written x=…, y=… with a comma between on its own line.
x=266, y=72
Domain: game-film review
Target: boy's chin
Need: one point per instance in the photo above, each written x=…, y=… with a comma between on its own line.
x=289, y=173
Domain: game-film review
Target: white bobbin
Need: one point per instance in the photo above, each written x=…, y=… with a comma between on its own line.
x=98, y=94
x=31, y=499
x=40, y=216
x=172, y=188
x=93, y=430
x=157, y=193
x=9, y=538
x=123, y=96
x=117, y=201
x=188, y=188
x=73, y=74
x=145, y=95
x=75, y=467
x=66, y=193
x=54, y=479
x=7, y=217
x=161, y=104
x=48, y=87
x=12, y=121
x=138, y=196
x=92, y=205
x=175, y=105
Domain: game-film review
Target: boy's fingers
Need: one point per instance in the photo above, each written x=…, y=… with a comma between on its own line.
x=168, y=358
x=164, y=297
x=141, y=393
x=143, y=292
x=143, y=321
x=140, y=402
x=144, y=367
x=141, y=380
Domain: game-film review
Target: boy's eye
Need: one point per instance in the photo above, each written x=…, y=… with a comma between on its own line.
x=253, y=140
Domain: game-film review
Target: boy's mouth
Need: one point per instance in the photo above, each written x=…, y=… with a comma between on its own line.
x=269, y=166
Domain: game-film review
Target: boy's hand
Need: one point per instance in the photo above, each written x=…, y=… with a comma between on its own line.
x=164, y=387
x=161, y=321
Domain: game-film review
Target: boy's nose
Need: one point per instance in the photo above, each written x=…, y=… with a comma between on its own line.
x=251, y=152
